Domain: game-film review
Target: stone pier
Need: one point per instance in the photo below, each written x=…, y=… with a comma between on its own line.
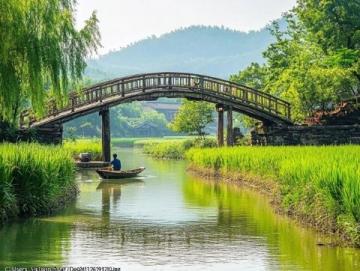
x=220, y=127
x=230, y=131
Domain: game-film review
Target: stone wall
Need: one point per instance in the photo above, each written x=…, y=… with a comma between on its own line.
x=306, y=135
x=45, y=134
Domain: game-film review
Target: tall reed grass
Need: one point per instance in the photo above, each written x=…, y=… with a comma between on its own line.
x=321, y=183
x=34, y=179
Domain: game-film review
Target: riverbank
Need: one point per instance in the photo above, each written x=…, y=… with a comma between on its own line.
x=318, y=186
x=175, y=149
x=34, y=180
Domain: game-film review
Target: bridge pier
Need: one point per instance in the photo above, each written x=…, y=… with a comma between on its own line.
x=220, y=127
x=230, y=131
x=105, y=135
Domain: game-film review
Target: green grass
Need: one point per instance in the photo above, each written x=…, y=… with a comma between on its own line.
x=171, y=149
x=124, y=142
x=34, y=179
x=78, y=146
x=321, y=184
x=174, y=148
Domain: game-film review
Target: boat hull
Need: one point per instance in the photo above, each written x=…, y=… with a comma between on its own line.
x=121, y=174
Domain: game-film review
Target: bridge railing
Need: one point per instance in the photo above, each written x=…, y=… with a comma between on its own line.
x=190, y=82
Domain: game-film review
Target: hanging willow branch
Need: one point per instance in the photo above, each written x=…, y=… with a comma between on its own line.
x=41, y=51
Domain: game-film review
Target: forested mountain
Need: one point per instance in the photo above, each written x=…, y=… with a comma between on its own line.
x=207, y=50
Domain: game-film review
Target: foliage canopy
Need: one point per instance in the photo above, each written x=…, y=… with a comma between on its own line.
x=315, y=61
x=192, y=117
x=41, y=51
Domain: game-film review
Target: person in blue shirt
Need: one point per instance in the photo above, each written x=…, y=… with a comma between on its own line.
x=116, y=163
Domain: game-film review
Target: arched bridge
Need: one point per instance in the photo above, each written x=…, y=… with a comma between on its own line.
x=248, y=101
x=228, y=96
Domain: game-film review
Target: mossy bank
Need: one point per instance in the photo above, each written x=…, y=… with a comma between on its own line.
x=34, y=180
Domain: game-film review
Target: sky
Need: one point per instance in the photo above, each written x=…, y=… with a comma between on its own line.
x=125, y=21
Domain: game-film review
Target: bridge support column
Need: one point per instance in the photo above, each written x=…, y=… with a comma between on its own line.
x=220, y=127
x=106, y=138
x=230, y=135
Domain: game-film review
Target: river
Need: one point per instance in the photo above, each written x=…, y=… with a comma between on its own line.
x=168, y=220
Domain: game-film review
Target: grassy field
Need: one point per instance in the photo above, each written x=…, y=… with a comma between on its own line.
x=171, y=149
x=34, y=179
x=127, y=142
x=175, y=148
x=318, y=184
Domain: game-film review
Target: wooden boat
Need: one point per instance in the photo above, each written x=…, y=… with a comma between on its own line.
x=107, y=173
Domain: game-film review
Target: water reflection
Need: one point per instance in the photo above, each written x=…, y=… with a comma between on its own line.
x=111, y=190
x=168, y=220
x=251, y=215
x=34, y=243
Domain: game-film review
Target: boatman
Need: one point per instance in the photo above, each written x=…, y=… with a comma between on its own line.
x=116, y=163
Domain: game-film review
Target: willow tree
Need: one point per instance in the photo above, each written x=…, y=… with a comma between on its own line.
x=41, y=51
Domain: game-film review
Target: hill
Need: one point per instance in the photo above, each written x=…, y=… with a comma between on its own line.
x=215, y=51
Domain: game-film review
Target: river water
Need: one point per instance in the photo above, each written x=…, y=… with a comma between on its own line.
x=168, y=220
